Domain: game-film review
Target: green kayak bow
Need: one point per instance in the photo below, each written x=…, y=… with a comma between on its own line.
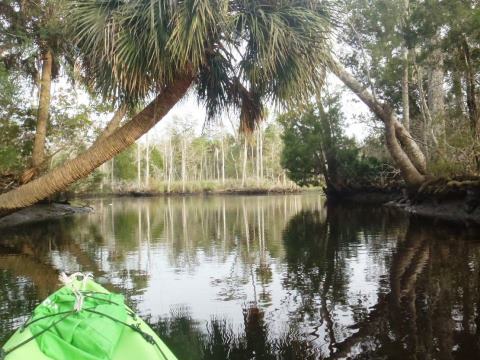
x=82, y=320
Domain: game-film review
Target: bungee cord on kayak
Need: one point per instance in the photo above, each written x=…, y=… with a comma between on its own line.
x=81, y=331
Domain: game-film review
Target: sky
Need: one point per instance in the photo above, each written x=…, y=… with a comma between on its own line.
x=189, y=108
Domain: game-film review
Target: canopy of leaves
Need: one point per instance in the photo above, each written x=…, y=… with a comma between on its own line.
x=242, y=53
x=316, y=148
x=16, y=123
x=28, y=29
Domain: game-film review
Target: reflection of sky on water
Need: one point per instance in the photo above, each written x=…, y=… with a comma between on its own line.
x=220, y=276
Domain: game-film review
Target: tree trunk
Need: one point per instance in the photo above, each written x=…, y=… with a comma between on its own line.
x=139, y=166
x=64, y=175
x=112, y=177
x=223, y=163
x=244, y=169
x=38, y=154
x=472, y=106
x=407, y=155
x=436, y=95
x=184, y=166
x=405, y=99
x=165, y=163
x=409, y=172
x=458, y=92
x=261, y=151
x=147, y=161
x=170, y=165
x=405, y=51
x=217, y=165
x=257, y=155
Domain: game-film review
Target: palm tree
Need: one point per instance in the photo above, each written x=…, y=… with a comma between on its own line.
x=236, y=53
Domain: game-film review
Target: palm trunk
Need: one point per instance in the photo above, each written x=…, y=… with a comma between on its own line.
x=81, y=166
x=407, y=155
x=38, y=154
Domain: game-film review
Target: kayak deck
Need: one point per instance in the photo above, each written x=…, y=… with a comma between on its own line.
x=136, y=339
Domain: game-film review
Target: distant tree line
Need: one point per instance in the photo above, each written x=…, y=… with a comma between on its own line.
x=184, y=162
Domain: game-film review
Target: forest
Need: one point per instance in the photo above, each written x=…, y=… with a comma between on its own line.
x=83, y=83
x=239, y=179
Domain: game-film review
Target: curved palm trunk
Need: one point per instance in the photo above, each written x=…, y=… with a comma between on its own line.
x=59, y=178
x=38, y=154
x=404, y=150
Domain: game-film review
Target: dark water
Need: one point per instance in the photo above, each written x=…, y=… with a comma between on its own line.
x=267, y=277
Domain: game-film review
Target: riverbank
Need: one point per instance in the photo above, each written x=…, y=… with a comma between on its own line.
x=451, y=201
x=455, y=201
x=42, y=212
x=365, y=195
x=179, y=192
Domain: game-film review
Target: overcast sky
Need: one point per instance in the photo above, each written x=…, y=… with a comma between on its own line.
x=190, y=108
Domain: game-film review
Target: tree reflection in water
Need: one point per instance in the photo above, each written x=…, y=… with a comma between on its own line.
x=357, y=282
x=221, y=341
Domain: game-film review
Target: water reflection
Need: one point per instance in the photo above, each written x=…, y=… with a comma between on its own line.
x=263, y=277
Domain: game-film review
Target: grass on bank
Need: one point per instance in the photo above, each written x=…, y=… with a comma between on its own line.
x=197, y=187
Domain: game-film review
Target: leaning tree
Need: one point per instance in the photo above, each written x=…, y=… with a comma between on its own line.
x=235, y=54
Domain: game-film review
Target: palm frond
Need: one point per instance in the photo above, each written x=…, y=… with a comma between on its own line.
x=244, y=52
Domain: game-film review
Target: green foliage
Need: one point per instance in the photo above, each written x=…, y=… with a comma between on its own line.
x=442, y=40
x=301, y=155
x=125, y=165
x=30, y=28
x=156, y=159
x=355, y=167
x=316, y=148
x=16, y=123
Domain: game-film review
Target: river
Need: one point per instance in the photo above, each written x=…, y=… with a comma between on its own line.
x=262, y=277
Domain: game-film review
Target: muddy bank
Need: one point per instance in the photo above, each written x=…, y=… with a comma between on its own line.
x=451, y=201
x=440, y=199
x=42, y=212
x=453, y=211
x=366, y=195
